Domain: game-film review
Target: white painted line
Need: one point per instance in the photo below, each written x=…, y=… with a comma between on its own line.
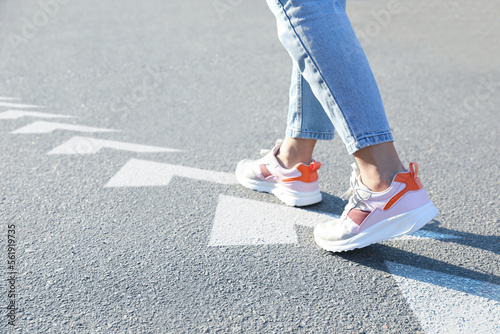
x=86, y=145
x=4, y=98
x=46, y=127
x=14, y=114
x=18, y=105
x=241, y=221
x=143, y=173
x=424, y=234
x=449, y=304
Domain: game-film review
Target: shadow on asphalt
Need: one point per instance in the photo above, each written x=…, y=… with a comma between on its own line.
x=365, y=256
x=485, y=242
x=329, y=204
x=375, y=256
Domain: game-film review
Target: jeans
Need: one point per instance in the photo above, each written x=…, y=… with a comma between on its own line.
x=332, y=86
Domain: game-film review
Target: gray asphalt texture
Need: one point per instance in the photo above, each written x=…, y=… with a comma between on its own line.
x=182, y=75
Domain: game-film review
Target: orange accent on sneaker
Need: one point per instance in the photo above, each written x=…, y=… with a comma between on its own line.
x=414, y=172
x=410, y=180
x=308, y=173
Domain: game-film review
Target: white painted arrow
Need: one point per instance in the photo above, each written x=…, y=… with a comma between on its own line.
x=14, y=114
x=424, y=234
x=241, y=221
x=449, y=304
x=18, y=105
x=46, y=127
x=143, y=173
x=86, y=145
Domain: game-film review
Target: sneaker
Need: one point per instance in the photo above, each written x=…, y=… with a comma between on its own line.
x=297, y=186
x=372, y=217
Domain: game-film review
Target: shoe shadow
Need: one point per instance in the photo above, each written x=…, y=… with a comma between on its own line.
x=376, y=256
x=485, y=242
x=329, y=204
x=379, y=255
x=335, y=205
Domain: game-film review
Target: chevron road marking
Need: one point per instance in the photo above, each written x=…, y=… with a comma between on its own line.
x=424, y=234
x=241, y=221
x=449, y=304
x=18, y=105
x=143, y=173
x=14, y=114
x=237, y=221
x=86, y=145
x=46, y=127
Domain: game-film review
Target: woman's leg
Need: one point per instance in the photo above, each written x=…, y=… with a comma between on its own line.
x=325, y=50
x=306, y=117
x=287, y=171
x=307, y=123
x=319, y=37
x=385, y=201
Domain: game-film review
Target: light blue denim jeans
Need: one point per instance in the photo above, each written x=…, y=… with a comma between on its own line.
x=332, y=83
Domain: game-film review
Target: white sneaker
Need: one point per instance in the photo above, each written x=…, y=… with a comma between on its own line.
x=297, y=186
x=372, y=217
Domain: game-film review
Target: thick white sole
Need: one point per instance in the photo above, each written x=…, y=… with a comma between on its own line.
x=287, y=196
x=390, y=228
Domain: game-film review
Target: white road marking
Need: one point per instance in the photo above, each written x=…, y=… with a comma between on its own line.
x=424, y=234
x=449, y=304
x=241, y=221
x=143, y=173
x=46, y=127
x=14, y=114
x=86, y=145
x=18, y=105
x=4, y=98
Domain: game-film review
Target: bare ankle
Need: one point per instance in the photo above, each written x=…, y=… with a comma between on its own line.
x=294, y=151
x=378, y=165
x=377, y=181
x=288, y=161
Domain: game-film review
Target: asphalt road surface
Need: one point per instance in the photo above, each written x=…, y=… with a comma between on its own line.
x=121, y=123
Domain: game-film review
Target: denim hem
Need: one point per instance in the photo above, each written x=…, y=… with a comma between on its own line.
x=323, y=83
x=309, y=134
x=346, y=89
x=366, y=141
